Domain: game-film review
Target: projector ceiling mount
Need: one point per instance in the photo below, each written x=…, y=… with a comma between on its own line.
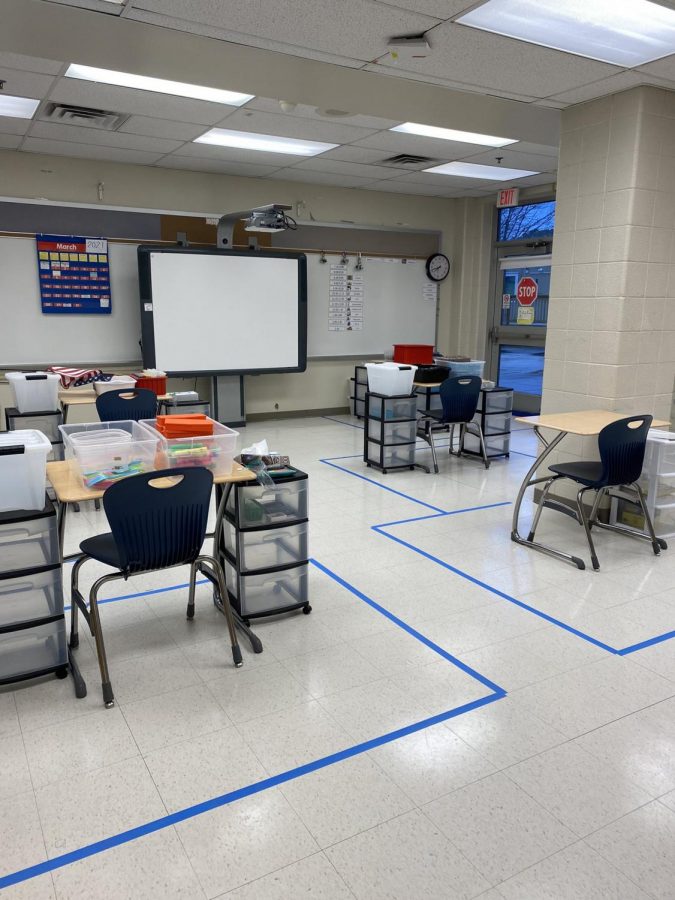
x=269, y=218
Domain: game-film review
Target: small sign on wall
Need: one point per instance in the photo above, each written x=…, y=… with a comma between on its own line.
x=525, y=315
x=508, y=197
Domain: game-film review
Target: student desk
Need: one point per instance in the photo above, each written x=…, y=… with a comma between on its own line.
x=85, y=397
x=586, y=423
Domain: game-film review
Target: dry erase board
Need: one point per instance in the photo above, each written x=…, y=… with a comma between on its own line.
x=388, y=301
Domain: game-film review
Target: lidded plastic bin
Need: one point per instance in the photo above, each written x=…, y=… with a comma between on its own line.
x=390, y=379
x=34, y=391
x=116, y=383
x=418, y=354
x=474, y=367
x=213, y=451
x=23, y=469
x=105, y=452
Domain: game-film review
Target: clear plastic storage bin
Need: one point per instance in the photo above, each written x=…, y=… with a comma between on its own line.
x=29, y=541
x=498, y=400
x=266, y=592
x=26, y=596
x=105, y=452
x=260, y=505
x=474, y=367
x=34, y=391
x=394, y=407
x=46, y=422
x=213, y=451
x=392, y=457
x=266, y=549
x=390, y=379
x=392, y=432
x=495, y=445
x=23, y=467
x=31, y=650
x=496, y=423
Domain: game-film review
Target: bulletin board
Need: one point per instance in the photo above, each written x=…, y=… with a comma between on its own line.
x=74, y=275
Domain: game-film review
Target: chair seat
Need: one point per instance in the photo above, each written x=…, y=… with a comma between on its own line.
x=102, y=547
x=586, y=473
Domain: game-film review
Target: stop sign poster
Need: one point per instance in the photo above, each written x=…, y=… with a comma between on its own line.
x=527, y=291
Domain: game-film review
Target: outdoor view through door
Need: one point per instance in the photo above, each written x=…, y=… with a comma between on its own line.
x=518, y=333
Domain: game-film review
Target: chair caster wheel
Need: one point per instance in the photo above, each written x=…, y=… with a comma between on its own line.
x=657, y=549
x=109, y=704
x=662, y=544
x=307, y=609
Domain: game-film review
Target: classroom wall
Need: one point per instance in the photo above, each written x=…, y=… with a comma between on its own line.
x=465, y=225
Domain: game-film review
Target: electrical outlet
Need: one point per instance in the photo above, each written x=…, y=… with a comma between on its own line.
x=276, y=406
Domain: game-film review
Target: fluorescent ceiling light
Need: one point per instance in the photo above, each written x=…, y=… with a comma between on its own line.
x=159, y=85
x=17, y=107
x=622, y=32
x=473, y=170
x=268, y=143
x=450, y=134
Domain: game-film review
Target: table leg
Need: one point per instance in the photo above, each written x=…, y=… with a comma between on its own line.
x=528, y=482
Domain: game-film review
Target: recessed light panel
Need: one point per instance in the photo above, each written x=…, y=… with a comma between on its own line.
x=158, y=85
x=268, y=143
x=622, y=32
x=473, y=170
x=450, y=134
x=17, y=107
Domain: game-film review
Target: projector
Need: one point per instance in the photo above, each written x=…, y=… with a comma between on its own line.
x=267, y=218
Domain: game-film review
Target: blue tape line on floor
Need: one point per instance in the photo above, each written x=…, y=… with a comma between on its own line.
x=659, y=639
x=171, y=587
x=384, y=487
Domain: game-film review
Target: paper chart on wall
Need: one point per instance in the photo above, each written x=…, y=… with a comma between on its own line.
x=346, y=299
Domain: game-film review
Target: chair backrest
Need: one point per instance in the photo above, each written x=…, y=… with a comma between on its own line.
x=127, y=403
x=459, y=396
x=159, y=525
x=622, y=449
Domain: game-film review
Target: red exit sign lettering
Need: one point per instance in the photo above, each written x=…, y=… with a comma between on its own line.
x=508, y=197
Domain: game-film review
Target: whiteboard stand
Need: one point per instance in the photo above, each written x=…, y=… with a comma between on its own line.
x=227, y=400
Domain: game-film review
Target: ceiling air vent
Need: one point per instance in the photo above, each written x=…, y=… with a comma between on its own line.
x=408, y=160
x=65, y=114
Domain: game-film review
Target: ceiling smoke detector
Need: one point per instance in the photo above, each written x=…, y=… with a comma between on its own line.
x=84, y=116
x=406, y=48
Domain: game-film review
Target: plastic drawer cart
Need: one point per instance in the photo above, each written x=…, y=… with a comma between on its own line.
x=359, y=386
x=390, y=434
x=658, y=484
x=264, y=547
x=494, y=416
x=172, y=407
x=47, y=422
x=32, y=623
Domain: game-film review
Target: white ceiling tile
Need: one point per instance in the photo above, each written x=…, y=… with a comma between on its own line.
x=393, y=142
x=441, y=9
x=445, y=182
x=30, y=63
x=235, y=154
x=355, y=154
x=266, y=104
x=612, y=85
x=12, y=125
x=319, y=178
x=543, y=178
x=112, y=9
x=541, y=149
x=661, y=68
x=337, y=167
x=162, y=128
x=144, y=103
x=293, y=126
x=10, y=141
x=394, y=186
x=87, y=151
x=354, y=28
x=386, y=67
x=513, y=159
x=57, y=132
x=25, y=84
x=479, y=58
x=218, y=166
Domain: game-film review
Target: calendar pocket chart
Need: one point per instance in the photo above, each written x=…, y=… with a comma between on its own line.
x=74, y=274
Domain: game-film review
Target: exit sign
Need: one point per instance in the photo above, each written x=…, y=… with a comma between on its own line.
x=508, y=197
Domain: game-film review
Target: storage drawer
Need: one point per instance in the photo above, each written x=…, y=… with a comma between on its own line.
x=30, y=595
x=497, y=401
x=57, y=452
x=30, y=650
x=392, y=407
x=495, y=423
x=392, y=433
x=254, y=550
x=265, y=593
x=361, y=374
x=495, y=445
x=391, y=457
x=430, y=401
x=360, y=390
x=46, y=422
x=28, y=543
x=625, y=512
x=252, y=505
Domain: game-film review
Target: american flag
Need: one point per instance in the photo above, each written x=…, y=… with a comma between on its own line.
x=71, y=377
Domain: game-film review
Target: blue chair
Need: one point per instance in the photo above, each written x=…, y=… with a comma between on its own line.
x=459, y=397
x=125, y=404
x=622, y=450
x=157, y=520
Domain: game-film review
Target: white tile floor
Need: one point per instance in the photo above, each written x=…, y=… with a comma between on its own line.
x=564, y=789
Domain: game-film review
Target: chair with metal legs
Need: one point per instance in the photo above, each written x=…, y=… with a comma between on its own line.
x=622, y=451
x=157, y=520
x=459, y=397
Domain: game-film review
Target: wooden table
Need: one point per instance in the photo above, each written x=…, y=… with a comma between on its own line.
x=586, y=423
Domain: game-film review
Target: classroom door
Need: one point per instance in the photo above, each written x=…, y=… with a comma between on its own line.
x=518, y=334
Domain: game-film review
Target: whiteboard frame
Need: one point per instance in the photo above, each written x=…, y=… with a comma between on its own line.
x=147, y=316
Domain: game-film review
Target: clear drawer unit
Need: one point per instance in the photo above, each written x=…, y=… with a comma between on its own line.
x=390, y=433
x=47, y=422
x=173, y=407
x=32, y=623
x=494, y=416
x=658, y=484
x=359, y=386
x=264, y=547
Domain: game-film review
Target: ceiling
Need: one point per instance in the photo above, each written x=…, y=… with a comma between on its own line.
x=314, y=54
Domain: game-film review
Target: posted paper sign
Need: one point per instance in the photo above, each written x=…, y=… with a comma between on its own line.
x=74, y=274
x=346, y=299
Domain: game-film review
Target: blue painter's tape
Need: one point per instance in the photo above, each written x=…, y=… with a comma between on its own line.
x=659, y=639
x=384, y=487
x=452, y=512
x=164, y=590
